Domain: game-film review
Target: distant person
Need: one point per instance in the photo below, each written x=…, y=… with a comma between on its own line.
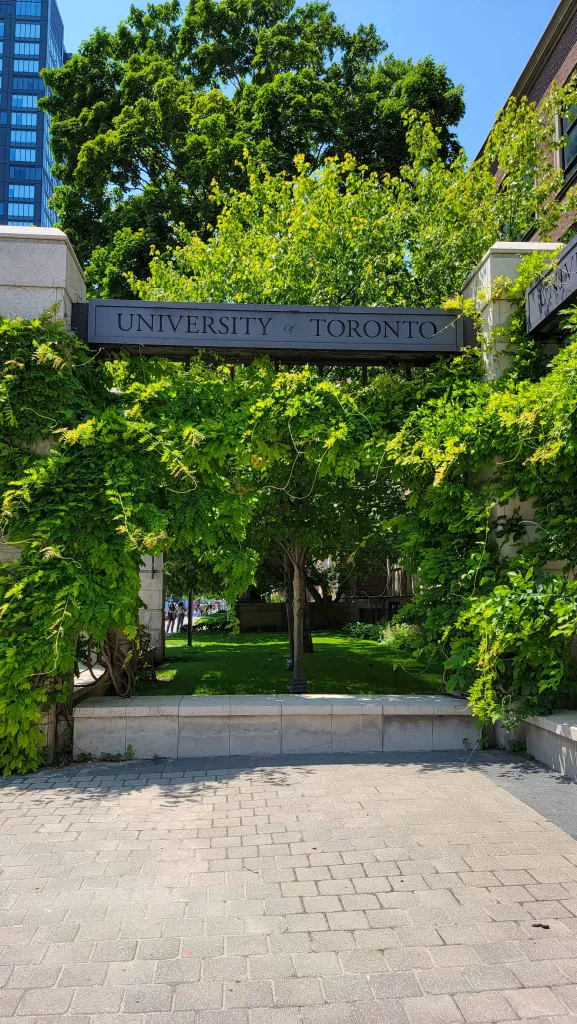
x=180, y=613
x=171, y=616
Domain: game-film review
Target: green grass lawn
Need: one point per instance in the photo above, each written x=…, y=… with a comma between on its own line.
x=255, y=663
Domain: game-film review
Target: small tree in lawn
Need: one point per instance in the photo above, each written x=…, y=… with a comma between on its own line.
x=309, y=467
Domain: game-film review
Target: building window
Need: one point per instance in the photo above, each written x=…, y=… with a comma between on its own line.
x=25, y=102
x=3, y=117
x=28, y=8
x=30, y=66
x=21, y=192
x=20, y=209
x=569, y=128
x=23, y=156
x=27, y=49
x=25, y=173
x=1, y=46
x=20, y=224
x=27, y=85
x=1, y=28
x=27, y=30
x=5, y=8
x=25, y=119
x=17, y=135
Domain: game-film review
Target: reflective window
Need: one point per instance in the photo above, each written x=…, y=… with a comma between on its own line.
x=27, y=49
x=25, y=173
x=26, y=119
x=24, y=101
x=20, y=209
x=27, y=30
x=28, y=8
x=569, y=128
x=21, y=191
x=23, y=136
x=27, y=65
x=24, y=156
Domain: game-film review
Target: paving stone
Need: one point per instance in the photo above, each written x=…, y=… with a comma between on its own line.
x=229, y=968
x=431, y=1010
x=147, y=998
x=34, y=976
x=272, y=966
x=530, y=1002
x=158, y=949
x=312, y=965
x=399, y=985
x=205, y=995
x=96, y=999
x=10, y=998
x=298, y=992
x=171, y=972
x=249, y=994
x=281, y=1015
x=79, y=975
x=349, y=989
x=40, y=1001
x=485, y=1007
x=215, y=1017
x=109, y=952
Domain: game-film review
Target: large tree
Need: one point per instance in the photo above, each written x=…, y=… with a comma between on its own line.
x=144, y=118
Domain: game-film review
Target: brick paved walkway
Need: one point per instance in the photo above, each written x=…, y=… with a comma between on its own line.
x=365, y=893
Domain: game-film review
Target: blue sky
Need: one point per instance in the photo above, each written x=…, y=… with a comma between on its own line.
x=484, y=43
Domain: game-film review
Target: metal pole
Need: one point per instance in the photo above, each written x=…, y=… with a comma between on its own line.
x=190, y=618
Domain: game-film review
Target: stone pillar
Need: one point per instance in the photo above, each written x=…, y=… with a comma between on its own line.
x=500, y=261
x=152, y=593
x=38, y=269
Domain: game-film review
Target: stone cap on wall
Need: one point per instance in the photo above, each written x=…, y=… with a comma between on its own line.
x=38, y=269
x=274, y=704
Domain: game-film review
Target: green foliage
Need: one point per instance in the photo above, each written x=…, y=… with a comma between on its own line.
x=490, y=525
x=396, y=636
x=402, y=637
x=144, y=118
x=344, y=236
x=215, y=623
x=363, y=630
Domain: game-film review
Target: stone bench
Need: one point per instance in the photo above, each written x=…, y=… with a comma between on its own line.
x=271, y=725
x=552, y=739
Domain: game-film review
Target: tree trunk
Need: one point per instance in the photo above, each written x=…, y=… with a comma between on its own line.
x=297, y=554
x=307, y=635
x=288, y=586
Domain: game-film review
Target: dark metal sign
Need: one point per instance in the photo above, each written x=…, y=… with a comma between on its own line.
x=552, y=291
x=301, y=333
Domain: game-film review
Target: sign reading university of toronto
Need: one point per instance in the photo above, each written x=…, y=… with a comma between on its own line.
x=300, y=333
x=552, y=291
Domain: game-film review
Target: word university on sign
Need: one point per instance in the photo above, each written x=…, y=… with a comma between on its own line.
x=342, y=334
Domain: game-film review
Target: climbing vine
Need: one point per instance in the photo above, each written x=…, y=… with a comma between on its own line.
x=490, y=522
x=104, y=460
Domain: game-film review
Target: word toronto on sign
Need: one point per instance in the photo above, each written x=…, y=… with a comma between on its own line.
x=300, y=333
x=546, y=297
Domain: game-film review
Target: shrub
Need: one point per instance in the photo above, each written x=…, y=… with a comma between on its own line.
x=364, y=630
x=402, y=636
x=211, y=623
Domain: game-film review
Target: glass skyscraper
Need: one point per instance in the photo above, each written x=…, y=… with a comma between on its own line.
x=31, y=38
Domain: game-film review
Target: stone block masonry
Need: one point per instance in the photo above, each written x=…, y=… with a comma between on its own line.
x=271, y=725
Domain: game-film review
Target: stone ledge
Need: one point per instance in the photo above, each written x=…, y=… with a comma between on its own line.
x=562, y=723
x=225, y=725
x=274, y=705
